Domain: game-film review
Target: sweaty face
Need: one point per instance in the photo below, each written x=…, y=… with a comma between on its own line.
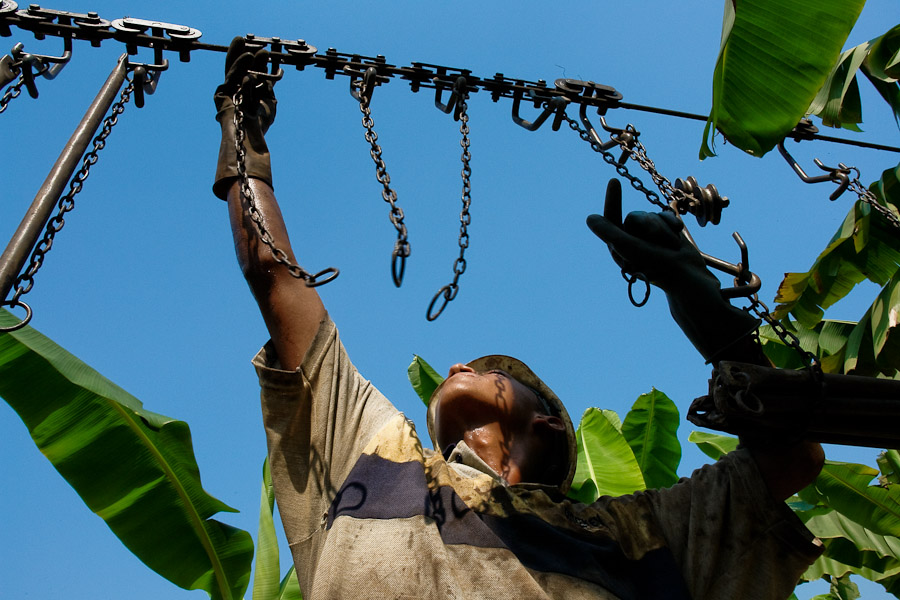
x=468, y=398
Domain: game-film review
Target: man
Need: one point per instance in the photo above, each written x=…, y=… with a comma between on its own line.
x=369, y=513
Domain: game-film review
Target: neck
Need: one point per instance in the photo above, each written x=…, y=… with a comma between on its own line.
x=497, y=449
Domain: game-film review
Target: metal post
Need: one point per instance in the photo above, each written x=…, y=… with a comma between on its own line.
x=32, y=226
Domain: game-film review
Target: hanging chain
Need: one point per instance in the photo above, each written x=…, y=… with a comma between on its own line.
x=11, y=93
x=449, y=291
x=401, y=246
x=25, y=281
x=247, y=194
x=866, y=195
x=639, y=153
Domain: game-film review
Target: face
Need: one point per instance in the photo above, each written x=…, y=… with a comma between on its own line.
x=468, y=398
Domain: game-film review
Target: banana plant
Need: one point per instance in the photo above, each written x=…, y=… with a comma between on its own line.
x=134, y=468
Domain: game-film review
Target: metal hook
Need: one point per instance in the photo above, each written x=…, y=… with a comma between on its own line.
x=146, y=78
x=746, y=282
x=362, y=89
x=619, y=135
x=839, y=175
x=555, y=105
x=457, y=93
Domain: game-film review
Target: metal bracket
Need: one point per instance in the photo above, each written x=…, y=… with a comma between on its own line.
x=457, y=93
x=363, y=84
x=29, y=64
x=128, y=28
x=555, y=105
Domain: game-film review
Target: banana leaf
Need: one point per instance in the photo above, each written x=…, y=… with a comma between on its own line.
x=845, y=488
x=713, y=445
x=423, y=378
x=651, y=429
x=773, y=59
x=838, y=102
x=266, y=585
x=866, y=246
x=606, y=464
x=133, y=468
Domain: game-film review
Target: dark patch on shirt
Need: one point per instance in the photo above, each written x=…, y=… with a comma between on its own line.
x=378, y=488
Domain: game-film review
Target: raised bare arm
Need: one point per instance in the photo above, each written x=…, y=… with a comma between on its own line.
x=291, y=310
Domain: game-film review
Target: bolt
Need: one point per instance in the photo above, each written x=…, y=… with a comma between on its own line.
x=34, y=7
x=93, y=15
x=250, y=36
x=542, y=82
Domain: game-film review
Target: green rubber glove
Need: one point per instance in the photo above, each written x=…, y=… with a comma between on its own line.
x=258, y=107
x=652, y=244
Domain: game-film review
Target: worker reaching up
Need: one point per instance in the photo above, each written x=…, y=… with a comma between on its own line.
x=369, y=512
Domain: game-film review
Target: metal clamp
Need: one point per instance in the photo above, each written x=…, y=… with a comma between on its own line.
x=29, y=65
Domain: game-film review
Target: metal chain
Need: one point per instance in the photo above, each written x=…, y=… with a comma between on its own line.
x=637, y=151
x=865, y=195
x=401, y=246
x=25, y=281
x=621, y=168
x=247, y=194
x=449, y=291
x=11, y=93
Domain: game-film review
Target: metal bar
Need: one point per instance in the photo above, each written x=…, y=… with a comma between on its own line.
x=32, y=226
x=838, y=409
x=184, y=40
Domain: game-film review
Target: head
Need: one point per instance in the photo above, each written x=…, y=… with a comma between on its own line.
x=501, y=395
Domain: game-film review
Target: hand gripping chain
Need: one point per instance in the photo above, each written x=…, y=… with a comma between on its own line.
x=320, y=278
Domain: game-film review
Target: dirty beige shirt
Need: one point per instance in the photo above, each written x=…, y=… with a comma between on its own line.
x=369, y=513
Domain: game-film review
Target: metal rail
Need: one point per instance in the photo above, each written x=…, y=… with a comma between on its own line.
x=183, y=40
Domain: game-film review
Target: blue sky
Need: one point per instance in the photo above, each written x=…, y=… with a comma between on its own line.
x=142, y=283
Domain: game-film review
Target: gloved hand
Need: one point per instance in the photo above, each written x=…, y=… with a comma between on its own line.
x=652, y=244
x=258, y=107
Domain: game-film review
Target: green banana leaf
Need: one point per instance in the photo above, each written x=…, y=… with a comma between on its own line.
x=651, y=429
x=423, y=378
x=713, y=445
x=841, y=589
x=845, y=488
x=838, y=102
x=773, y=59
x=889, y=464
x=267, y=572
x=826, y=567
x=266, y=585
x=134, y=468
x=606, y=464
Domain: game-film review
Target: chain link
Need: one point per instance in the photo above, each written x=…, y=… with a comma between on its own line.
x=11, y=93
x=449, y=291
x=280, y=255
x=866, y=195
x=25, y=281
x=401, y=246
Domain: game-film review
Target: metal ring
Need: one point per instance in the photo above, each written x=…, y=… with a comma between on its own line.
x=23, y=322
x=401, y=251
x=633, y=278
x=332, y=273
x=447, y=293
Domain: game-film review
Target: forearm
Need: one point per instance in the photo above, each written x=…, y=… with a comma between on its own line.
x=291, y=310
